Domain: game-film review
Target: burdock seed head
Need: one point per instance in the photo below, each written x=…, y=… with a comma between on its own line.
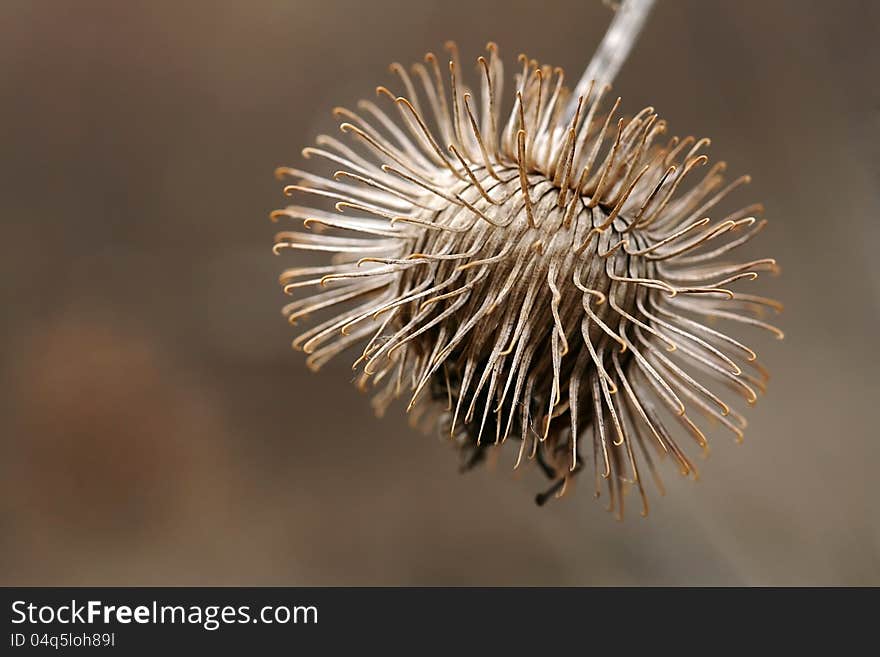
x=529, y=274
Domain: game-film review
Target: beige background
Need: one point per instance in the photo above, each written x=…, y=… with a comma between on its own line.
x=154, y=426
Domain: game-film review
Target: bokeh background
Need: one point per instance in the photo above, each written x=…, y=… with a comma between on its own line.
x=156, y=428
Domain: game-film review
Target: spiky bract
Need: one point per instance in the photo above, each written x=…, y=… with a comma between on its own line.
x=532, y=276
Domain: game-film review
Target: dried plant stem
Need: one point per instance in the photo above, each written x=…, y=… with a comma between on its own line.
x=622, y=34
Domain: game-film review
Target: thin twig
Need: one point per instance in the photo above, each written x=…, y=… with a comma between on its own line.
x=612, y=52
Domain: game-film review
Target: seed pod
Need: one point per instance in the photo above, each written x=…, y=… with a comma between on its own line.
x=528, y=276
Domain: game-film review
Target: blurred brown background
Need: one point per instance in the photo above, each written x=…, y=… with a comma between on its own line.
x=156, y=428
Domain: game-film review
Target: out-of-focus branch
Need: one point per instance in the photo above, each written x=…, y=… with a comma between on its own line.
x=622, y=34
